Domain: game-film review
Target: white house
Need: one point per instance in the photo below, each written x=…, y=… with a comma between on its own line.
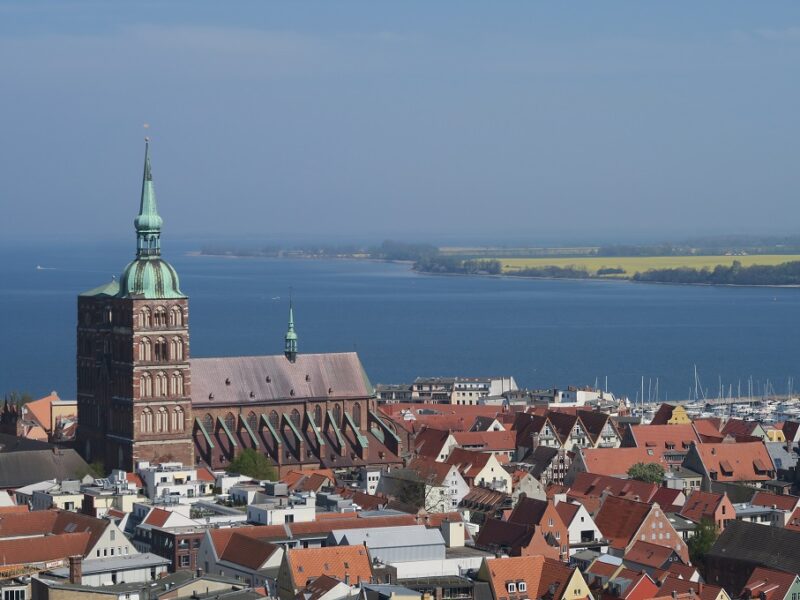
x=281, y=509
x=238, y=552
x=173, y=481
x=581, y=527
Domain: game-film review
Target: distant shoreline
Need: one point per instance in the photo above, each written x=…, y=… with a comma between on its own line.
x=197, y=253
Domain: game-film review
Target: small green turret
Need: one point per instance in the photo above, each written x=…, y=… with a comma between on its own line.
x=290, y=340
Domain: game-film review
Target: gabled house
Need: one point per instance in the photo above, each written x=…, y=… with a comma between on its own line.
x=543, y=515
x=670, y=414
x=677, y=587
x=582, y=531
x=590, y=487
x=523, y=482
x=737, y=428
x=519, y=578
x=548, y=465
x=746, y=463
x=435, y=444
x=771, y=584
x=300, y=567
x=624, y=522
x=483, y=503
x=480, y=469
x=648, y=557
x=441, y=475
x=242, y=553
x=630, y=584
x=717, y=508
x=784, y=502
x=672, y=442
x=513, y=539
x=500, y=443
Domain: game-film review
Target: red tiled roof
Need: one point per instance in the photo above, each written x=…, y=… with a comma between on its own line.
x=567, y=511
x=247, y=551
x=701, y=505
x=134, y=479
x=538, y=573
x=430, y=470
x=736, y=462
x=619, y=519
x=663, y=414
x=735, y=427
x=157, y=517
x=703, y=591
x=592, y=485
x=529, y=511
x=429, y=442
x=665, y=437
x=768, y=584
x=468, y=462
x=617, y=461
x=307, y=564
x=37, y=550
x=794, y=521
x=785, y=502
x=41, y=410
x=204, y=474
x=666, y=498
x=650, y=555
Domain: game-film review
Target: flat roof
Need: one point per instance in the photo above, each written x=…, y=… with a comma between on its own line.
x=116, y=563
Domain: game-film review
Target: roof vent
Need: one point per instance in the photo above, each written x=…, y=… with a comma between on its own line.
x=252, y=394
x=227, y=381
x=211, y=396
x=330, y=390
x=291, y=392
x=269, y=379
x=308, y=377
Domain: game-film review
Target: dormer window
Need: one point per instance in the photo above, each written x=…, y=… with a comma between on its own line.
x=522, y=586
x=511, y=587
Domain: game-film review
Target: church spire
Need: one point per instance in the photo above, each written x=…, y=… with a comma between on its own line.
x=148, y=222
x=290, y=340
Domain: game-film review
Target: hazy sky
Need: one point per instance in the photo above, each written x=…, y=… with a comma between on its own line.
x=426, y=120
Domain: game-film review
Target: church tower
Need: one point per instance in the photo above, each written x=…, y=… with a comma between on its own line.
x=134, y=383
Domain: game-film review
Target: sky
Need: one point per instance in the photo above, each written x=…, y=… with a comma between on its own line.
x=445, y=122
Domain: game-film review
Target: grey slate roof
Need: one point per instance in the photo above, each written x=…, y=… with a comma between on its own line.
x=781, y=457
x=321, y=376
x=24, y=467
x=773, y=547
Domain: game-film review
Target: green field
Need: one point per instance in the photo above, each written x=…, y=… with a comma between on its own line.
x=636, y=264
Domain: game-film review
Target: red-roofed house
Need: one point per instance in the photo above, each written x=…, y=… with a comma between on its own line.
x=614, y=462
x=745, y=463
x=771, y=584
x=300, y=567
x=581, y=528
x=522, y=577
x=701, y=506
x=645, y=556
x=784, y=502
x=481, y=468
x=499, y=443
x=435, y=444
x=241, y=552
x=674, y=587
x=624, y=522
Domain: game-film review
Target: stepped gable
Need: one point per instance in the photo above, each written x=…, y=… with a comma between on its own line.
x=258, y=379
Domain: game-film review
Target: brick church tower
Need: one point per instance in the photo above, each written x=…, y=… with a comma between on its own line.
x=134, y=382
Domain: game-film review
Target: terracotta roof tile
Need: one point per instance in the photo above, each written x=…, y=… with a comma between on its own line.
x=784, y=502
x=247, y=551
x=487, y=440
x=45, y=549
x=736, y=462
x=537, y=572
x=157, y=517
x=593, y=485
x=703, y=591
x=306, y=564
x=768, y=584
x=617, y=461
x=619, y=519
x=701, y=505
x=650, y=555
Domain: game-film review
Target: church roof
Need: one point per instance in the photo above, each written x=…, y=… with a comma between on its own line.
x=259, y=379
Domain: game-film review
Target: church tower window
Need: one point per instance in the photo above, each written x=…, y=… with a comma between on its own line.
x=145, y=385
x=175, y=317
x=273, y=419
x=161, y=420
x=337, y=414
x=146, y=420
x=295, y=416
x=177, y=419
x=160, y=317
x=176, y=349
x=161, y=350
x=176, y=384
x=160, y=387
x=357, y=414
x=145, y=350
x=146, y=318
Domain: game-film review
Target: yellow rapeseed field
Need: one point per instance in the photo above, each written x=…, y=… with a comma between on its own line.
x=636, y=264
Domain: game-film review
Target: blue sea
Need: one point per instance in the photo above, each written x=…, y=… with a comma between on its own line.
x=403, y=324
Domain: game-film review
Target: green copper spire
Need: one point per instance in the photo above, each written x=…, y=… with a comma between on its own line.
x=148, y=222
x=290, y=341
x=148, y=276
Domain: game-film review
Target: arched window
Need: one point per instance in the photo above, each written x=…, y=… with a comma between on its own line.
x=252, y=420
x=230, y=421
x=176, y=348
x=160, y=316
x=295, y=416
x=177, y=419
x=145, y=350
x=146, y=420
x=146, y=317
x=175, y=317
x=161, y=420
x=208, y=423
x=318, y=415
x=357, y=414
x=176, y=384
x=145, y=385
x=161, y=349
x=337, y=414
x=160, y=384
x=273, y=419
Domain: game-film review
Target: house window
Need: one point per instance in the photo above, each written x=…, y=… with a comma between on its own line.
x=511, y=587
x=522, y=586
x=185, y=560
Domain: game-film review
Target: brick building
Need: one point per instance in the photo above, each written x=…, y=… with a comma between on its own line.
x=141, y=397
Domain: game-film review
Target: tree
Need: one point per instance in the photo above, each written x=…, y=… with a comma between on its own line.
x=701, y=542
x=647, y=472
x=253, y=464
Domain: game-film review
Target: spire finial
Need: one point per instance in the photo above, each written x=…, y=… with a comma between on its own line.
x=290, y=340
x=148, y=221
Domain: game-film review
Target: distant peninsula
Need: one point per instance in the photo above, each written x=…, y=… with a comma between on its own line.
x=765, y=263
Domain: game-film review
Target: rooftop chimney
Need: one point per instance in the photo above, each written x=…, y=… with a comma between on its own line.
x=76, y=569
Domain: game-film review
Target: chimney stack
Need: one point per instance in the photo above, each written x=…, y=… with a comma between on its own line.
x=76, y=569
